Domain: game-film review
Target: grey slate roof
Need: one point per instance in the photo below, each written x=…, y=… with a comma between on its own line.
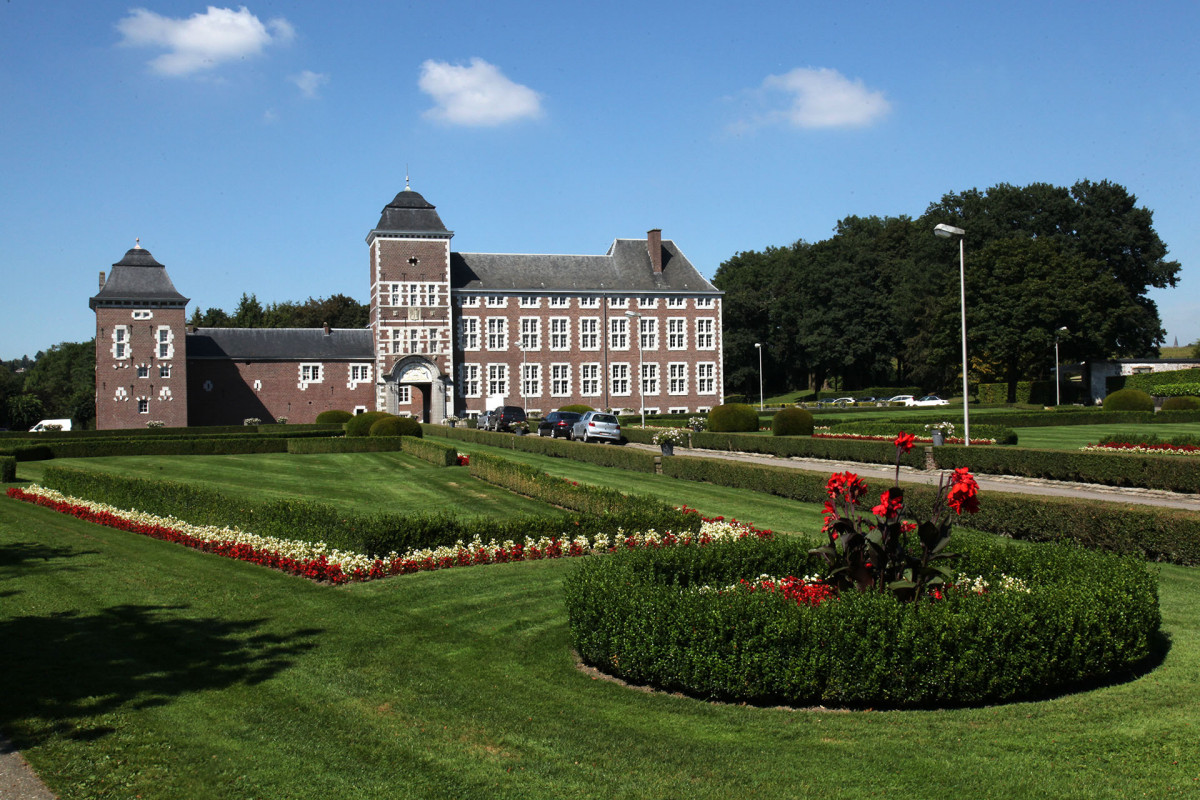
x=281, y=344
x=625, y=268
x=136, y=279
x=409, y=212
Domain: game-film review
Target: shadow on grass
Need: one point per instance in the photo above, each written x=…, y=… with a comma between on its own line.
x=16, y=554
x=61, y=674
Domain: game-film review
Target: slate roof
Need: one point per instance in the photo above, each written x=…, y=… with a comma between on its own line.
x=409, y=212
x=625, y=268
x=138, y=279
x=281, y=344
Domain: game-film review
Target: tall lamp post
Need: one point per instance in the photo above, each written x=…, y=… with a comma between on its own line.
x=948, y=232
x=758, y=347
x=633, y=315
x=1058, y=372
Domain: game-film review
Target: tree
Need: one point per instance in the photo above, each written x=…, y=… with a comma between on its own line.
x=63, y=379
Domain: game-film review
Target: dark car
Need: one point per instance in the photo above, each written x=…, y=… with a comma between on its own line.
x=558, y=423
x=504, y=417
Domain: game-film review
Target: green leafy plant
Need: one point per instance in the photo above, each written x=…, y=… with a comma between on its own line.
x=1129, y=400
x=334, y=417
x=733, y=418
x=792, y=422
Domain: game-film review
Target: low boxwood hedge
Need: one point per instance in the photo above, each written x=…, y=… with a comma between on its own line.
x=1173, y=473
x=641, y=615
x=8, y=469
x=1001, y=434
x=175, y=446
x=340, y=444
x=807, y=447
x=601, y=454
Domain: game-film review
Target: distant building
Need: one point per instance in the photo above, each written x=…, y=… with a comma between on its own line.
x=449, y=333
x=1097, y=373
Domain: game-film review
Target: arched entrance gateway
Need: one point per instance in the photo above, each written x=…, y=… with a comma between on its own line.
x=415, y=387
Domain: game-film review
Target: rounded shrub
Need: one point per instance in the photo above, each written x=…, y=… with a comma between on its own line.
x=360, y=424
x=1022, y=623
x=732, y=418
x=1129, y=400
x=792, y=421
x=578, y=408
x=334, y=417
x=1181, y=404
x=396, y=426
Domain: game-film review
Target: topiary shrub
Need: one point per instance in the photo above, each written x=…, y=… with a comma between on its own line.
x=1181, y=404
x=792, y=422
x=578, y=408
x=1129, y=400
x=360, y=424
x=732, y=418
x=396, y=426
x=334, y=417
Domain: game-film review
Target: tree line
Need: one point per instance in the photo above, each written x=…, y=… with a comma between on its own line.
x=878, y=303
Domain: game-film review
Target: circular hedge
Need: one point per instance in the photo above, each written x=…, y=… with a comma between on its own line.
x=334, y=416
x=732, y=418
x=792, y=421
x=643, y=615
x=1129, y=400
x=1181, y=404
x=360, y=424
x=396, y=426
x=578, y=408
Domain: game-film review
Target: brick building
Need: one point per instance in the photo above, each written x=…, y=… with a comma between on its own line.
x=449, y=333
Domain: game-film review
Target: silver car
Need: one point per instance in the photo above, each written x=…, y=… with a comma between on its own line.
x=596, y=425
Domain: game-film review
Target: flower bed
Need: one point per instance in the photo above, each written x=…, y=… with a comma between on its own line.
x=1160, y=448
x=887, y=437
x=316, y=561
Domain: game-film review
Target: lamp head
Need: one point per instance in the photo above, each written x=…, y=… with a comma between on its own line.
x=946, y=231
x=758, y=345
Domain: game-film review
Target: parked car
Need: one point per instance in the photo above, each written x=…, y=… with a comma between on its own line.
x=906, y=399
x=929, y=400
x=504, y=417
x=596, y=425
x=558, y=423
x=51, y=425
x=868, y=399
x=844, y=401
x=483, y=420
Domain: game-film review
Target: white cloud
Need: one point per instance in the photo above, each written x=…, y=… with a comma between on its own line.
x=202, y=41
x=476, y=95
x=309, y=82
x=816, y=98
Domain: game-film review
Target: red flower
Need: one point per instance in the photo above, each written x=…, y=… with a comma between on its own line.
x=905, y=441
x=845, y=485
x=890, y=503
x=962, y=496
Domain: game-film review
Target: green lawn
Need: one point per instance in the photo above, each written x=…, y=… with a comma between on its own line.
x=1072, y=437
x=137, y=668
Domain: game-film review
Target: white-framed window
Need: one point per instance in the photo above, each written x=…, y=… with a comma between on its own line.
x=530, y=301
x=677, y=377
x=358, y=373
x=469, y=301
x=677, y=410
x=469, y=379
x=143, y=370
x=468, y=332
x=120, y=338
x=497, y=301
x=531, y=380
x=559, y=301
x=706, y=378
x=560, y=380
x=616, y=301
x=676, y=302
x=164, y=370
x=497, y=333
x=676, y=333
x=589, y=380
x=648, y=327
x=589, y=333
x=143, y=405
x=706, y=339
x=647, y=302
x=403, y=394
x=618, y=333
x=497, y=380
x=618, y=379
x=531, y=333
x=650, y=378
x=589, y=301
x=311, y=373
x=704, y=302
x=165, y=337
x=560, y=333
x=397, y=339
x=143, y=314
x=651, y=410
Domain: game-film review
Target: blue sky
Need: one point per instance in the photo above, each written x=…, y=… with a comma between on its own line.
x=251, y=148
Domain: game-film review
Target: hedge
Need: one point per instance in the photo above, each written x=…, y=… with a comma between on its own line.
x=642, y=615
x=436, y=453
x=807, y=447
x=8, y=469
x=603, y=455
x=92, y=448
x=1155, y=382
x=1168, y=473
x=1157, y=534
x=1001, y=434
x=1040, y=393
x=359, y=444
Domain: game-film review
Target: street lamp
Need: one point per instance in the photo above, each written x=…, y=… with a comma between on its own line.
x=758, y=347
x=947, y=232
x=641, y=378
x=1057, y=371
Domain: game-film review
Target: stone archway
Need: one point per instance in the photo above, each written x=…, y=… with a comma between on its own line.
x=416, y=386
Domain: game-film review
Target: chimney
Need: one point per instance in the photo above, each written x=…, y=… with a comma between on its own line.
x=654, y=247
x=101, y=279
x=326, y=328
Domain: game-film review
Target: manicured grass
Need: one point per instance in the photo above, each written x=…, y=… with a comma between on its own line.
x=1072, y=437
x=150, y=670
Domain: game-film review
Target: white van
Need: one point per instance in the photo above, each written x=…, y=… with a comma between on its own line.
x=51, y=425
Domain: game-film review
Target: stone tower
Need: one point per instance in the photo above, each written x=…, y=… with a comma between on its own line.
x=141, y=358
x=410, y=309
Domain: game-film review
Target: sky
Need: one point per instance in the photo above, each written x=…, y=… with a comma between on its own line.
x=252, y=148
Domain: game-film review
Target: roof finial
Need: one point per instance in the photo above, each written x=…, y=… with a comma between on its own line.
x=407, y=188
x=137, y=243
